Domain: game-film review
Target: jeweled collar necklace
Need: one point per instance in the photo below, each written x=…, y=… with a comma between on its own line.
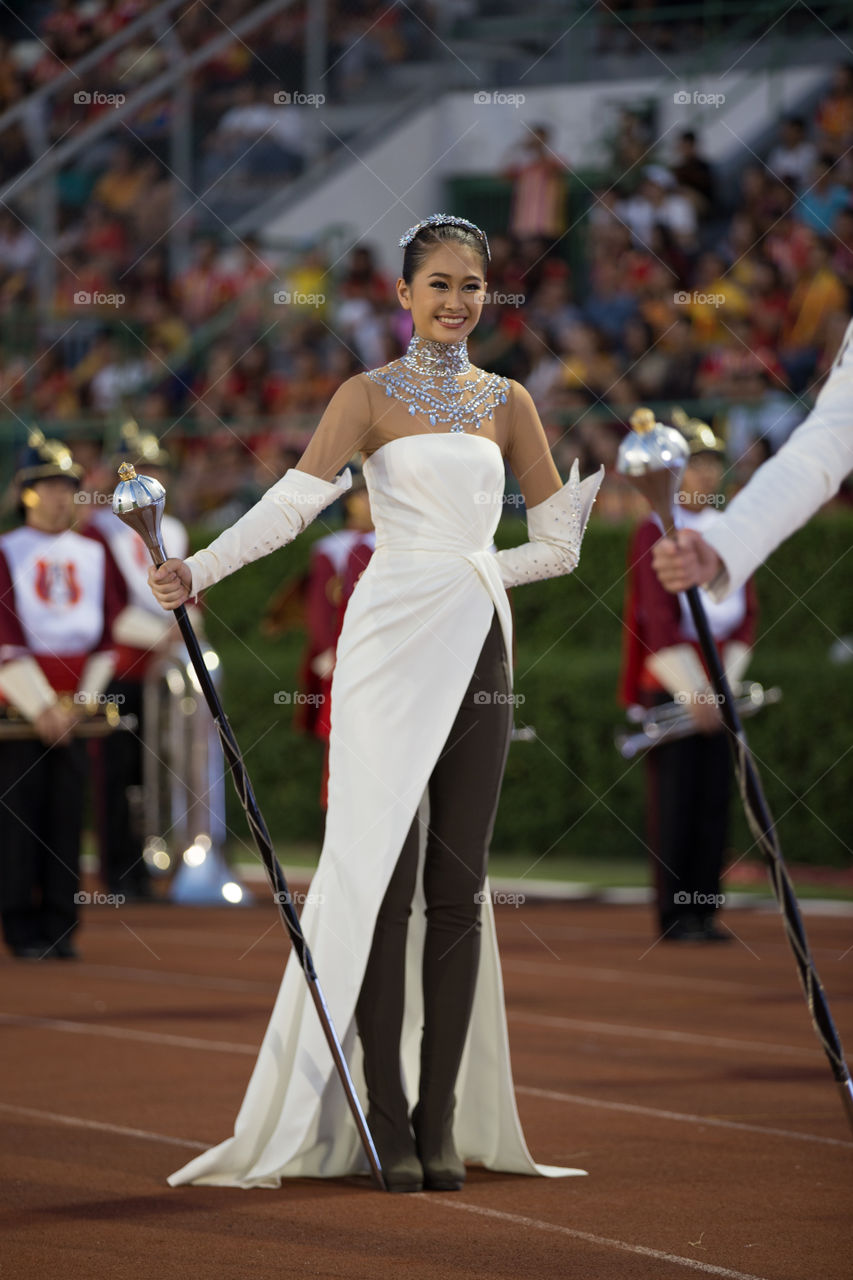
x=428, y=355
x=426, y=381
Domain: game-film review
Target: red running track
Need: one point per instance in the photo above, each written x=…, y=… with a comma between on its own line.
x=687, y=1080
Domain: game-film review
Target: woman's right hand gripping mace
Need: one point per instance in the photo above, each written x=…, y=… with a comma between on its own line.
x=653, y=457
x=138, y=501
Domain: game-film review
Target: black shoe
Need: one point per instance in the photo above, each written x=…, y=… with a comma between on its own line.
x=710, y=932
x=442, y=1165
x=138, y=891
x=64, y=949
x=31, y=951
x=687, y=928
x=401, y=1167
x=695, y=929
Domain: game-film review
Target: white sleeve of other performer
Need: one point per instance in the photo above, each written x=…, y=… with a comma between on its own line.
x=24, y=684
x=95, y=677
x=788, y=489
x=140, y=629
x=678, y=669
x=736, y=657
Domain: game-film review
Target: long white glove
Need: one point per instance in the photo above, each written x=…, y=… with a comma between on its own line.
x=283, y=512
x=556, y=528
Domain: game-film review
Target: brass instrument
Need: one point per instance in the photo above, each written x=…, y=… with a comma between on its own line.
x=672, y=720
x=16, y=728
x=183, y=779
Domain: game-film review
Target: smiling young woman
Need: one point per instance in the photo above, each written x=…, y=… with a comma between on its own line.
x=421, y=716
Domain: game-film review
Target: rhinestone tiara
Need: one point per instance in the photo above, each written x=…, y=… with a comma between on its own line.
x=444, y=220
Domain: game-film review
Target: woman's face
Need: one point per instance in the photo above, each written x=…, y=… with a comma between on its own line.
x=446, y=295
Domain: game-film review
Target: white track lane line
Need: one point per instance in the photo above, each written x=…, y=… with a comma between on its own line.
x=692, y=1264
x=197, y=937
x=653, y=1033
x=545, y=1020
x=644, y=940
x=77, y=1122
x=170, y=978
x=561, y=969
x=577, y=1099
x=126, y=1033
x=220, y=1046
x=616, y=976
x=639, y=1250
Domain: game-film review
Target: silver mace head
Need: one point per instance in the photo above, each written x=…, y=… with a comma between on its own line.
x=138, y=501
x=653, y=457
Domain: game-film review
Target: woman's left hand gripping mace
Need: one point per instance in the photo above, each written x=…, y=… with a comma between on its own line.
x=138, y=501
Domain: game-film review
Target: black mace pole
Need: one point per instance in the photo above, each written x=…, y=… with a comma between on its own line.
x=653, y=457
x=138, y=502
x=763, y=828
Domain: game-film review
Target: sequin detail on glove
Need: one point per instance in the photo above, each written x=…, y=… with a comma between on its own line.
x=555, y=528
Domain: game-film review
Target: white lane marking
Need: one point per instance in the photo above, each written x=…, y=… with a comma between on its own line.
x=169, y=978
x=221, y=943
x=641, y=938
x=571, y=1024
x=77, y=1122
x=706, y=1268
x=692, y=1264
x=126, y=1033
x=220, y=1046
x=685, y=1117
x=653, y=1033
x=172, y=977
x=622, y=976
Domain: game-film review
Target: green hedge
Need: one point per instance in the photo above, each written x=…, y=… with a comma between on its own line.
x=569, y=791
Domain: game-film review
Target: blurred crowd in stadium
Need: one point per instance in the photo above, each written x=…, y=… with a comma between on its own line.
x=687, y=291
x=364, y=37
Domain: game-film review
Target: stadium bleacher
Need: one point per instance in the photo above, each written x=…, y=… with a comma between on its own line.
x=667, y=276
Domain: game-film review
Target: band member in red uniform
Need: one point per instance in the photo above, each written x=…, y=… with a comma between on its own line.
x=337, y=562
x=349, y=550
x=688, y=779
x=141, y=634
x=59, y=595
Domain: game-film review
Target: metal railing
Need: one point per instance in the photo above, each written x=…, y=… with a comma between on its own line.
x=53, y=157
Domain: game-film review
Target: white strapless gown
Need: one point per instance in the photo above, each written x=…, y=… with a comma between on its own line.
x=412, y=634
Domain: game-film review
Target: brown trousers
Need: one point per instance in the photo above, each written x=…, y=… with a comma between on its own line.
x=464, y=789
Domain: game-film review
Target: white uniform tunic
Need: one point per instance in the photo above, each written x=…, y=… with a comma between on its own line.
x=58, y=582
